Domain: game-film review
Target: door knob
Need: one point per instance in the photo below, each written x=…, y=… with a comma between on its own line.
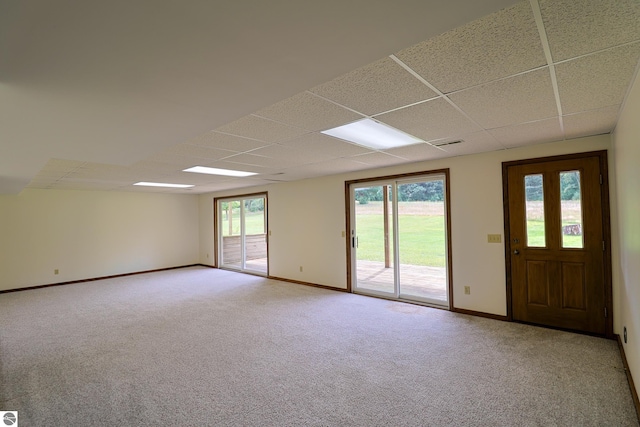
x=516, y=252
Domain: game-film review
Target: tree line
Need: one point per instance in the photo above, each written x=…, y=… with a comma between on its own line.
x=569, y=186
x=432, y=191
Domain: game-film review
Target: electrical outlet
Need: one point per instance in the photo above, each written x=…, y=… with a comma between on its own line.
x=300, y=269
x=467, y=290
x=56, y=271
x=343, y=234
x=494, y=238
x=207, y=256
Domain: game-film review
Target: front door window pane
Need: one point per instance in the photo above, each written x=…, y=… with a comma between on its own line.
x=571, y=209
x=534, y=198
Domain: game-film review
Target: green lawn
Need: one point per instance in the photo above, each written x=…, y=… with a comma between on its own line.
x=422, y=239
x=536, y=237
x=254, y=223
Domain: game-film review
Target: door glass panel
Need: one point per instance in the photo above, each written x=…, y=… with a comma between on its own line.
x=255, y=239
x=373, y=241
x=422, y=240
x=231, y=234
x=534, y=205
x=243, y=234
x=571, y=209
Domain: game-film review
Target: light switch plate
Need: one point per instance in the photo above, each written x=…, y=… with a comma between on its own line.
x=494, y=238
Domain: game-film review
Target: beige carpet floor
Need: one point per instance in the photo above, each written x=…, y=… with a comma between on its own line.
x=205, y=347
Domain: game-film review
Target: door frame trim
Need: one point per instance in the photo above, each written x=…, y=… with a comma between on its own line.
x=606, y=228
x=447, y=192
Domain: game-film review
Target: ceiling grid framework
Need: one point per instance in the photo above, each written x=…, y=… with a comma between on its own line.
x=537, y=15
x=535, y=72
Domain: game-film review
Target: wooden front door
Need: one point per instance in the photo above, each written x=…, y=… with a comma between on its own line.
x=556, y=251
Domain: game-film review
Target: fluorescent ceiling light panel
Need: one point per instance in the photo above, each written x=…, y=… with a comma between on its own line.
x=216, y=171
x=162, y=184
x=372, y=134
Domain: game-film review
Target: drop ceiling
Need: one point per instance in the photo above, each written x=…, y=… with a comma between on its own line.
x=100, y=95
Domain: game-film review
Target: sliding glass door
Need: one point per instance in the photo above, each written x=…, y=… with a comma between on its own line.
x=373, y=239
x=242, y=233
x=399, y=239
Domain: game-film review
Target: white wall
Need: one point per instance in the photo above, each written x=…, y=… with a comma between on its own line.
x=307, y=219
x=88, y=234
x=626, y=149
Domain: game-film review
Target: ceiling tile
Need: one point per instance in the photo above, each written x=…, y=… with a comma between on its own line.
x=429, y=120
x=261, y=129
x=478, y=142
x=226, y=142
x=518, y=99
x=189, y=150
x=143, y=189
x=578, y=27
x=474, y=65
x=87, y=185
x=62, y=165
x=55, y=170
x=178, y=162
x=227, y=185
x=598, y=80
x=265, y=181
x=41, y=183
x=223, y=164
x=192, y=178
x=218, y=186
x=273, y=177
x=501, y=44
x=113, y=182
x=378, y=159
x=295, y=174
x=291, y=154
x=51, y=175
x=529, y=133
x=325, y=147
x=151, y=166
x=376, y=88
x=417, y=152
x=309, y=112
x=329, y=167
x=259, y=161
x=590, y=123
x=106, y=174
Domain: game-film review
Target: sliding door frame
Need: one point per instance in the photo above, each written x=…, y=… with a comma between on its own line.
x=393, y=241
x=349, y=214
x=217, y=232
